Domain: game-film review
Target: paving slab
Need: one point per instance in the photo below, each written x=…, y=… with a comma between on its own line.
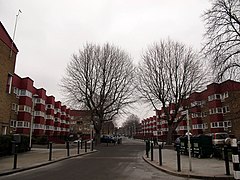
x=204, y=168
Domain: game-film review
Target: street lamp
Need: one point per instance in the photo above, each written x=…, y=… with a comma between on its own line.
x=91, y=134
x=31, y=124
x=189, y=143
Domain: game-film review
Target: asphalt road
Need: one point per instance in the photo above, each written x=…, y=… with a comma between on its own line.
x=111, y=162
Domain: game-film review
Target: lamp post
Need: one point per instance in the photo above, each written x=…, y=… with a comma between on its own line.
x=186, y=112
x=91, y=135
x=189, y=144
x=31, y=124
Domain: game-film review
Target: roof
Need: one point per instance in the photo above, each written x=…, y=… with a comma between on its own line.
x=5, y=38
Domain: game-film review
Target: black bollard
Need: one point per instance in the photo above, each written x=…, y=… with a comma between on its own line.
x=226, y=159
x=85, y=146
x=178, y=158
x=78, y=146
x=151, y=150
x=68, y=154
x=50, y=151
x=147, y=148
x=160, y=155
x=14, y=151
x=92, y=145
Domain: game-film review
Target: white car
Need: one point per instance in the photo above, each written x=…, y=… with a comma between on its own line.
x=76, y=141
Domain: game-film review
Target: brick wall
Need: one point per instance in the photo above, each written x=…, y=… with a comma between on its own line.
x=7, y=66
x=233, y=101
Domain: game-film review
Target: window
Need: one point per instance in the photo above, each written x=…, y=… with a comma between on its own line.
x=24, y=92
x=205, y=126
x=197, y=126
x=4, y=130
x=39, y=113
x=220, y=124
x=20, y=124
x=196, y=115
x=40, y=101
x=39, y=126
x=16, y=91
x=218, y=96
x=47, y=127
x=227, y=124
x=50, y=106
x=226, y=109
x=196, y=103
x=14, y=107
x=217, y=124
x=225, y=95
x=219, y=110
x=49, y=117
x=13, y=123
x=27, y=109
x=9, y=84
x=214, y=97
x=210, y=98
x=204, y=114
x=26, y=124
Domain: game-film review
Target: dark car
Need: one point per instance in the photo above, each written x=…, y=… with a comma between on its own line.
x=107, y=139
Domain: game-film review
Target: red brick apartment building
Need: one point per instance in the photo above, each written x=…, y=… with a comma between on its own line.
x=8, y=53
x=33, y=106
x=22, y=105
x=216, y=109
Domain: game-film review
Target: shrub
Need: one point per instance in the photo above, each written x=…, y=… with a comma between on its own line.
x=41, y=140
x=5, y=145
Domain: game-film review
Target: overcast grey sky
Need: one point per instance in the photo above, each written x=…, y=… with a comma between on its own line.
x=50, y=31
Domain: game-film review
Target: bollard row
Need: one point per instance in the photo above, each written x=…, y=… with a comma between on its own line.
x=50, y=147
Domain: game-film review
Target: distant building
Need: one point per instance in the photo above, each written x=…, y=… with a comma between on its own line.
x=81, y=122
x=8, y=53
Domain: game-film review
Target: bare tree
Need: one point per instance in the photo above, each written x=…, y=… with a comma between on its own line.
x=168, y=74
x=99, y=79
x=223, y=37
x=130, y=125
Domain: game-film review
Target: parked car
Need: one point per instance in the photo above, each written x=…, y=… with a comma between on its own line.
x=76, y=141
x=219, y=138
x=107, y=139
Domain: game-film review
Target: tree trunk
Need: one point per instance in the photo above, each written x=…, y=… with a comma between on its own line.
x=97, y=136
x=169, y=135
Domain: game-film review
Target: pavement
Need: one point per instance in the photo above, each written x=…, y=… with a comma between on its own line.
x=204, y=168
x=39, y=156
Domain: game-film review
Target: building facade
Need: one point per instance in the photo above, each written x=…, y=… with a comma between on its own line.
x=81, y=123
x=34, y=110
x=216, y=109
x=8, y=53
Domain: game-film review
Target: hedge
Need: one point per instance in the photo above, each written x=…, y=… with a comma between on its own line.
x=6, y=144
